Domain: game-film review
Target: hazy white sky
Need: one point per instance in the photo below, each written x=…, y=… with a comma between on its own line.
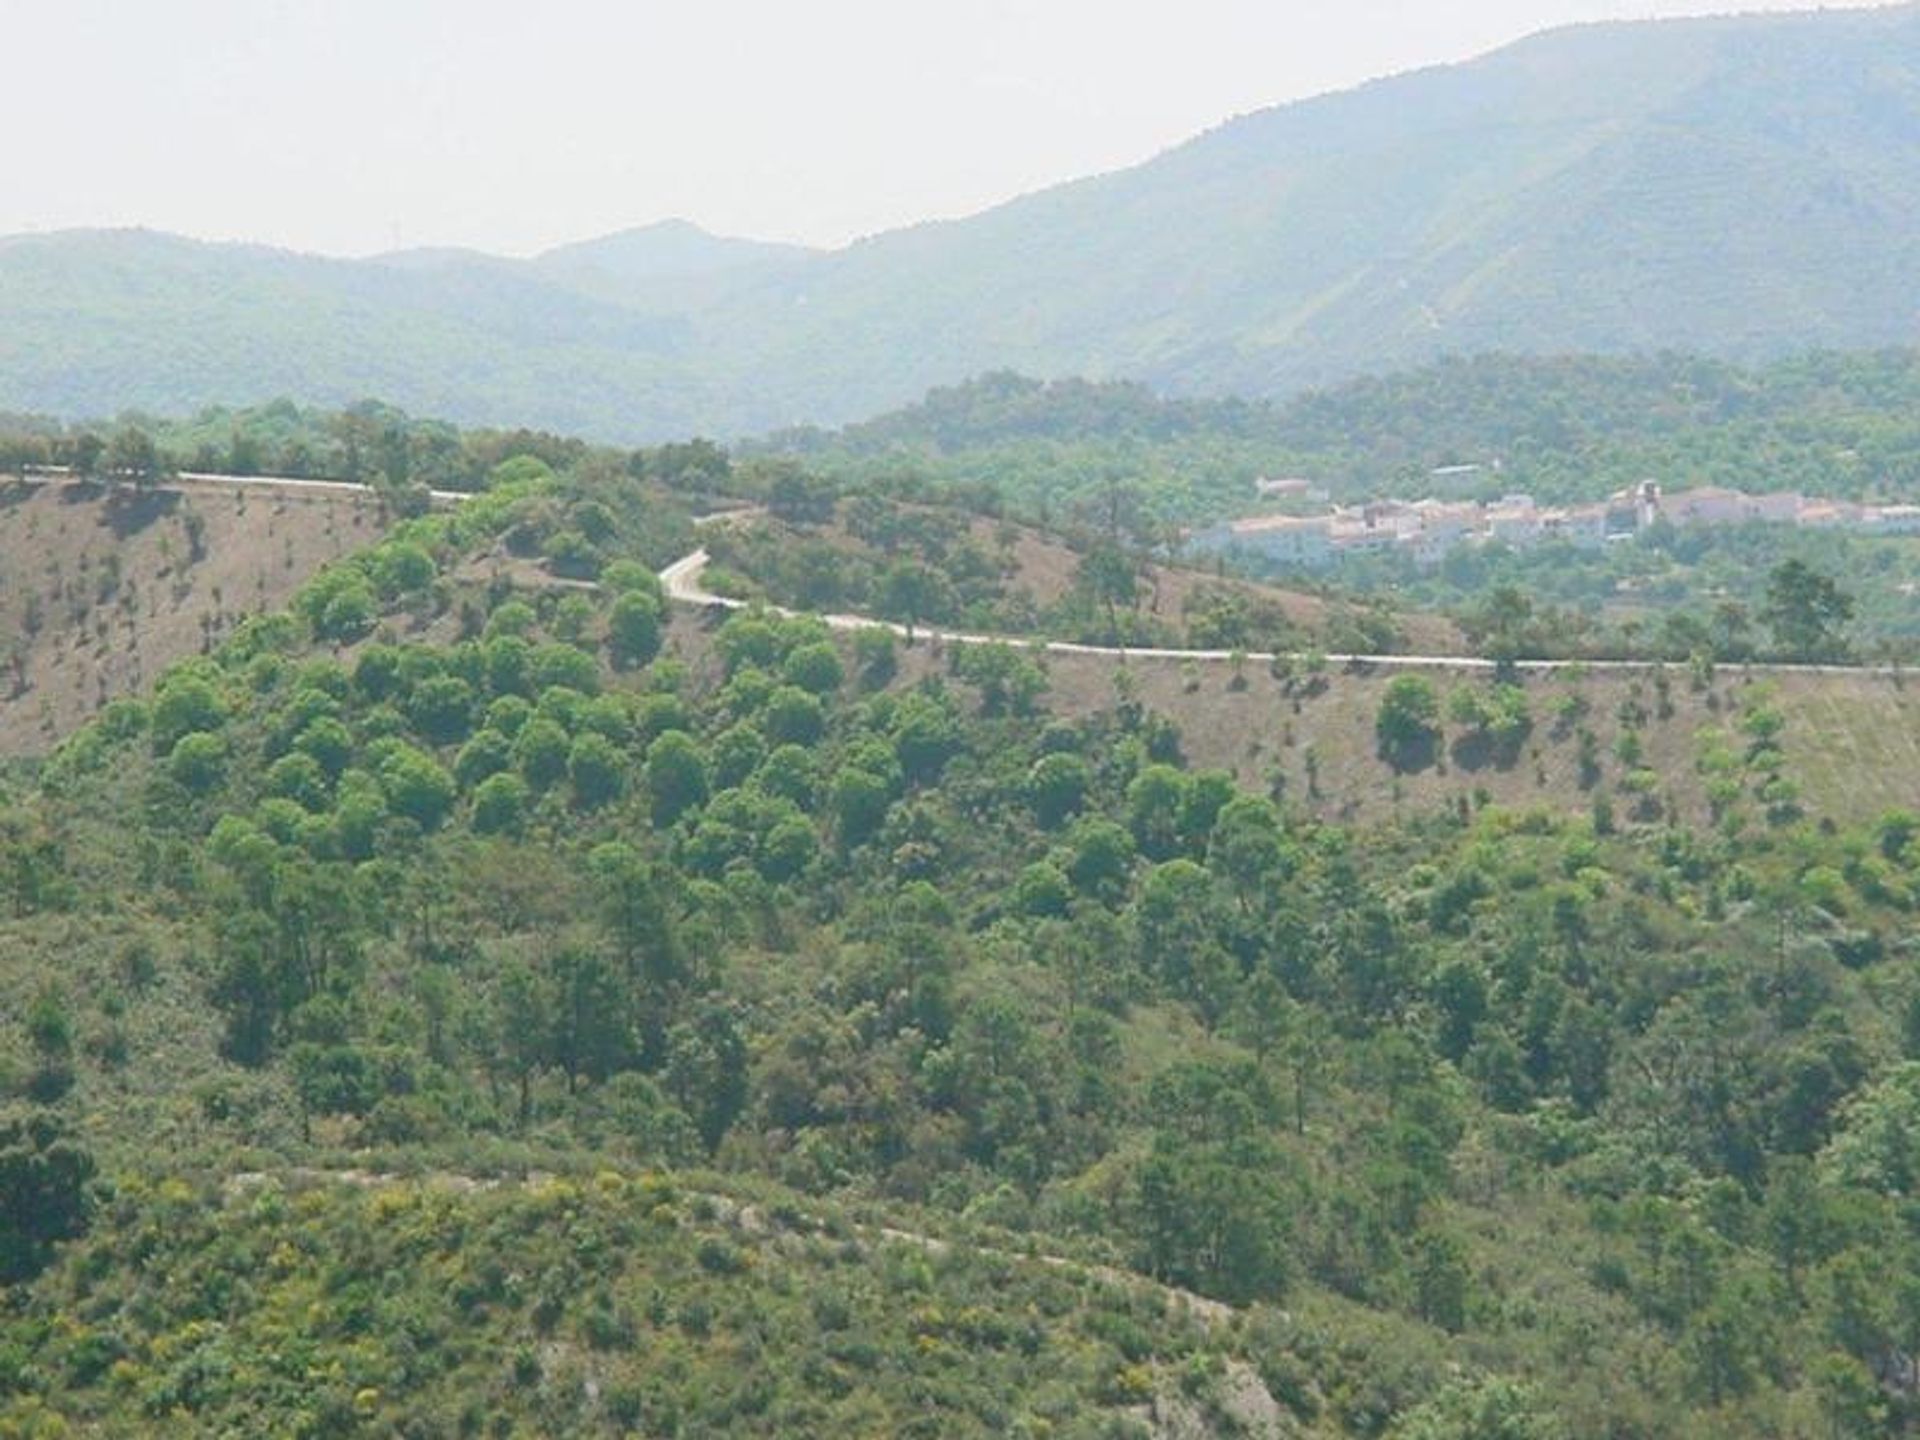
x=350, y=126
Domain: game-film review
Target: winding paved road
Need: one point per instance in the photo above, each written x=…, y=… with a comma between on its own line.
x=682, y=581
x=63, y=475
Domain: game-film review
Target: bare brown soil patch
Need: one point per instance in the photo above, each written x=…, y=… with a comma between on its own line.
x=100, y=591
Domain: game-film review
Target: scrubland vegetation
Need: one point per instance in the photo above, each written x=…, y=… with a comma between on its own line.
x=478, y=1001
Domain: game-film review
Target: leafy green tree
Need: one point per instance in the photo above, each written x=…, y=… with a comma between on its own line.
x=199, y=761
x=563, y=705
x=1851, y=1399
x=747, y=640
x=1246, y=850
x=328, y=742
x=1213, y=1219
x=511, y=619
x=248, y=988
x=508, y=665
x=1042, y=890
x=376, y=674
x=790, y=773
x=1438, y=1266
x=1877, y=1144
x=788, y=847
x=45, y=1196
x=1154, y=802
x=333, y=1079
x=500, y=804
x=628, y=576
x=85, y=452
x=707, y=1071
x=1807, y=612
x=793, y=716
x=676, y=776
x=523, y=1005
x=33, y=864
x=401, y=567
x=417, y=786
x=1486, y=1408
x=633, y=628
x=926, y=734
x=1179, y=922
x=540, y=752
x=1007, y=678
x=1101, y=858
x=1109, y=577
x=634, y=909
x=597, y=771
x=556, y=664
x=350, y=611
x=359, y=809
x=859, y=801
x=298, y=777
x=815, y=668
x=50, y=1030
x=875, y=655
x=488, y=753
x=441, y=709
x=1406, y=724
x=1730, y=1342
x=132, y=456
x=593, y=1016
x=1498, y=627
x=1057, y=785
x=736, y=753
x=913, y=592
x=796, y=496
x=187, y=702
x=1207, y=794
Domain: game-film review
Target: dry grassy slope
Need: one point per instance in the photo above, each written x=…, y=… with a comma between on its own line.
x=100, y=593
x=1044, y=567
x=1852, y=742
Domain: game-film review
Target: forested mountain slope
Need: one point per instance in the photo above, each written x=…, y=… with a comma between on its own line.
x=1562, y=428
x=1739, y=186
x=701, y=969
x=96, y=322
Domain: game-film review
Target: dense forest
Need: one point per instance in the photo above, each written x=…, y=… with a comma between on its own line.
x=1673, y=592
x=368, y=443
x=1575, y=428
x=479, y=1000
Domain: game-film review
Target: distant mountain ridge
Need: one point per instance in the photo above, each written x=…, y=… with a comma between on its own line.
x=1742, y=187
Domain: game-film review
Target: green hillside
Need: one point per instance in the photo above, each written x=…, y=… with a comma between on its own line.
x=478, y=1001
x=102, y=321
x=1562, y=428
x=1743, y=187
x=1701, y=184
x=668, y=267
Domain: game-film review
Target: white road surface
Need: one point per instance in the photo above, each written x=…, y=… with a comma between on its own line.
x=60, y=474
x=682, y=581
